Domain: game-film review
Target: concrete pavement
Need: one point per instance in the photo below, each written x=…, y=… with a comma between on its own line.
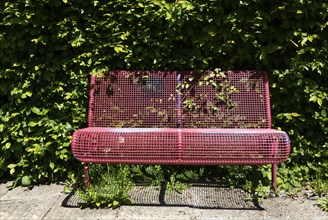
x=49, y=202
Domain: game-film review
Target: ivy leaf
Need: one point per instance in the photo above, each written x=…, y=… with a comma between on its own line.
x=36, y=110
x=12, y=168
x=294, y=114
x=118, y=49
x=32, y=124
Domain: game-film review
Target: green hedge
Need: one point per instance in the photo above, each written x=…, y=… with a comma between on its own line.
x=49, y=47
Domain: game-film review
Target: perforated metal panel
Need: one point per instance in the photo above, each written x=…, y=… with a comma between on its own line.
x=180, y=146
x=128, y=145
x=133, y=99
x=232, y=99
x=234, y=146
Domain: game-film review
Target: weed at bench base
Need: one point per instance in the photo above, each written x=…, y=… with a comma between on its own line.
x=323, y=203
x=110, y=184
x=108, y=189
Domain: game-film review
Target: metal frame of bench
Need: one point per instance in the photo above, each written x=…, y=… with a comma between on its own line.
x=182, y=118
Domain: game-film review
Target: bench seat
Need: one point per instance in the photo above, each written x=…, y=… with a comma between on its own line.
x=180, y=146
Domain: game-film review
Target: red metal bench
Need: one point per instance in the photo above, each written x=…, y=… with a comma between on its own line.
x=183, y=118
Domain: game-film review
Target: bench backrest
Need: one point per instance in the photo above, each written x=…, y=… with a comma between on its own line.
x=170, y=99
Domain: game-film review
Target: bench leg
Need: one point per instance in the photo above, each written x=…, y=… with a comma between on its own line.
x=86, y=176
x=274, y=177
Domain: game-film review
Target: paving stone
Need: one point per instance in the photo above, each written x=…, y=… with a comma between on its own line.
x=201, y=196
x=59, y=212
x=24, y=209
x=4, y=188
x=35, y=192
x=153, y=212
x=242, y=214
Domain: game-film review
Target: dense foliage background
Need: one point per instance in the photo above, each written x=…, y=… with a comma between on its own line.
x=49, y=47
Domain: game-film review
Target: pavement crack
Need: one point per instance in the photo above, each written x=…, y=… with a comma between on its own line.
x=52, y=205
x=117, y=213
